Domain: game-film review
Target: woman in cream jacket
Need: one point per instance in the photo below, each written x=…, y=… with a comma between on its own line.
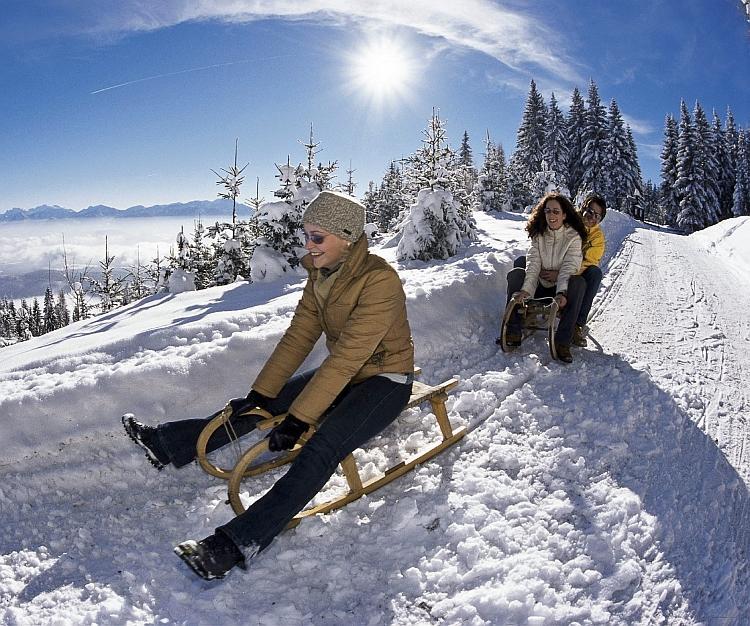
x=552, y=264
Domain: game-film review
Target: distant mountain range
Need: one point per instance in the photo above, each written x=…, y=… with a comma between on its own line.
x=54, y=212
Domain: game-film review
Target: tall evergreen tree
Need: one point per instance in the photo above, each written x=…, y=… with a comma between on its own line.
x=706, y=166
x=616, y=177
x=526, y=161
x=741, y=195
x=668, y=192
x=725, y=141
x=576, y=128
x=556, y=153
x=690, y=216
x=593, y=178
x=468, y=171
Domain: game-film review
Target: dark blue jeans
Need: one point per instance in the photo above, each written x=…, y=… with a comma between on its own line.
x=359, y=413
x=593, y=277
x=569, y=315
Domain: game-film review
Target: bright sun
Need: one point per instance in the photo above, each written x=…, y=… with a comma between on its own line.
x=382, y=69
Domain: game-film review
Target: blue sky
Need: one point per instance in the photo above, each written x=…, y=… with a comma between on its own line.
x=121, y=103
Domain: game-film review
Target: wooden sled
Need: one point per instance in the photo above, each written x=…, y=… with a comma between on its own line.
x=246, y=466
x=536, y=314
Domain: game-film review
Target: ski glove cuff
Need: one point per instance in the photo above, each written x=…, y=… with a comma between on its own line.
x=286, y=434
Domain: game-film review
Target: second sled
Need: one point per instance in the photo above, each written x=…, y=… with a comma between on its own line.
x=536, y=314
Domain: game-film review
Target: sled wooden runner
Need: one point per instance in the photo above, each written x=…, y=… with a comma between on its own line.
x=436, y=395
x=266, y=421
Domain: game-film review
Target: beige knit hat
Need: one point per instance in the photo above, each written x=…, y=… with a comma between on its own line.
x=340, y=215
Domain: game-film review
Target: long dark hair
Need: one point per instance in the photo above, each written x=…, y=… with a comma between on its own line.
x=537, y=224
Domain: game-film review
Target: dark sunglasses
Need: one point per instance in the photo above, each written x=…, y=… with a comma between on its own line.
x=592, y=212
x=316, y=238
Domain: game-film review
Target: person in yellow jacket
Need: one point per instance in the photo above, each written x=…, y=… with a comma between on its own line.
x=593, y=210
x=357, y=301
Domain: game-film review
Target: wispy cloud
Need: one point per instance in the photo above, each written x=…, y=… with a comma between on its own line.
x=639, y=127
x=513, y=38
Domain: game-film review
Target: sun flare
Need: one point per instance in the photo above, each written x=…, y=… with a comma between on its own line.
x=382, y=68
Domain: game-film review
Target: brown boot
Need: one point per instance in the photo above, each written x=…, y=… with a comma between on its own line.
x=563, y=353
x=579, y=337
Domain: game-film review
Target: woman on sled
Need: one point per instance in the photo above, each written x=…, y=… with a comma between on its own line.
x=553, y=261
x=356, y=299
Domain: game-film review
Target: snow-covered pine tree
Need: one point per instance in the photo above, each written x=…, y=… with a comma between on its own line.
x=434, y=226
x=349, y=186
x=669, y=198
x=50, y=320
x=615, y=176
x=576, y=127
x=545, y=181
x=181, y=275
x=202, y=257
x=279, y=246
x=108, y=287
x=393, y=199
x=725, y=160
x=491, y=189
x=690, y=216
x=706, y=166
x=526, y=161
x=556, y=153
x=233, y=242
x=370, y=202
x=651, y=206
x=593, y=177
x=23, y=327
x=61, y=309
x=7, y=322
x=632, y=169
x=741, y=195
x=468, y=171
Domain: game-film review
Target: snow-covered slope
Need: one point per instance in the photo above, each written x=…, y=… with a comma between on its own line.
x=589, y=493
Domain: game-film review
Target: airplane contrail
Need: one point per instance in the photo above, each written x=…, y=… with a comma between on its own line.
x=191, y=69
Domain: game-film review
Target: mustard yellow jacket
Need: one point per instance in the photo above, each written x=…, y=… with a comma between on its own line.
x=593, y=247
x=366, y=328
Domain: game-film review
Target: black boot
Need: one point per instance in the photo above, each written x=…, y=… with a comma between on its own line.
x=211, y=557
x=146, y=437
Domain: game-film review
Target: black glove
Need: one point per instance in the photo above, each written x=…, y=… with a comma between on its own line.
x=286, y=434
x=251, y=401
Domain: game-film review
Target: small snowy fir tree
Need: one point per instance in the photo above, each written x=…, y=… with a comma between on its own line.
x=434, y=227
x=109, y=286
x=233, y=242
x=50, y=319
x=393, y=199
x=280, y=245
x=545, y=181
x=491, y=189
x=181, y=276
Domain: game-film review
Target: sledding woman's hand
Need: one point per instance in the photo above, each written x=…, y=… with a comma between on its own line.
x=286, y=434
